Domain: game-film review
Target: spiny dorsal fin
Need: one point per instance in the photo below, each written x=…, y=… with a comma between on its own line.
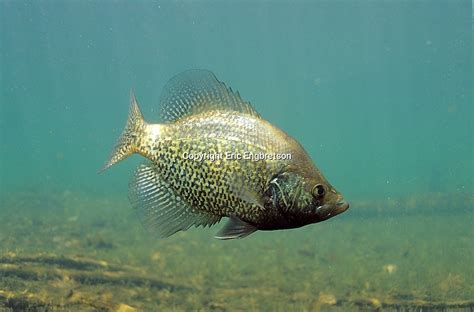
x=160, y=209
x=196, y=91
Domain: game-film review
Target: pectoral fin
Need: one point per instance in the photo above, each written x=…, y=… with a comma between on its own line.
x=250, y=196
x=242, y=187
x=235, y=228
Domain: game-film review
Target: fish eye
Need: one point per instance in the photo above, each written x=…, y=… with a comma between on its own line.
x=318, y=191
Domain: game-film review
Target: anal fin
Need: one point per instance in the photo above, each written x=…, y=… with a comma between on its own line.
x=160, y=208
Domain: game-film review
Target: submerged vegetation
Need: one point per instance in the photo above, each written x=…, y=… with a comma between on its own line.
x=71, y=252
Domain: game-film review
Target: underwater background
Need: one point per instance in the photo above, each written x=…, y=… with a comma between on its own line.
x=378, y=93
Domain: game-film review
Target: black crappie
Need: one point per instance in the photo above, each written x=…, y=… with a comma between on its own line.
x=215, y=157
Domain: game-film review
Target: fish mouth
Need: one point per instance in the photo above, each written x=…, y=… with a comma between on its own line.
x=342, y=206
x=327, y=211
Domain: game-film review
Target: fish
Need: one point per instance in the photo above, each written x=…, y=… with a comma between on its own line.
x=213, y=156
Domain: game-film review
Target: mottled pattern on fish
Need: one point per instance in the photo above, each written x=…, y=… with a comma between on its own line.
x=206, y=184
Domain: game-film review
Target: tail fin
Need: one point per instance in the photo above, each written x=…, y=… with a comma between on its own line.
x=126, y=144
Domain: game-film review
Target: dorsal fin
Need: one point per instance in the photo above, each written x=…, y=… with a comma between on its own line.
x=196, y=91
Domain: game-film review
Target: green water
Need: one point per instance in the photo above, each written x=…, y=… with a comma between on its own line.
x=378, y=93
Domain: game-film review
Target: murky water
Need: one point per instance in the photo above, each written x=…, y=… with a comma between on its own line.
x=379, y=94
